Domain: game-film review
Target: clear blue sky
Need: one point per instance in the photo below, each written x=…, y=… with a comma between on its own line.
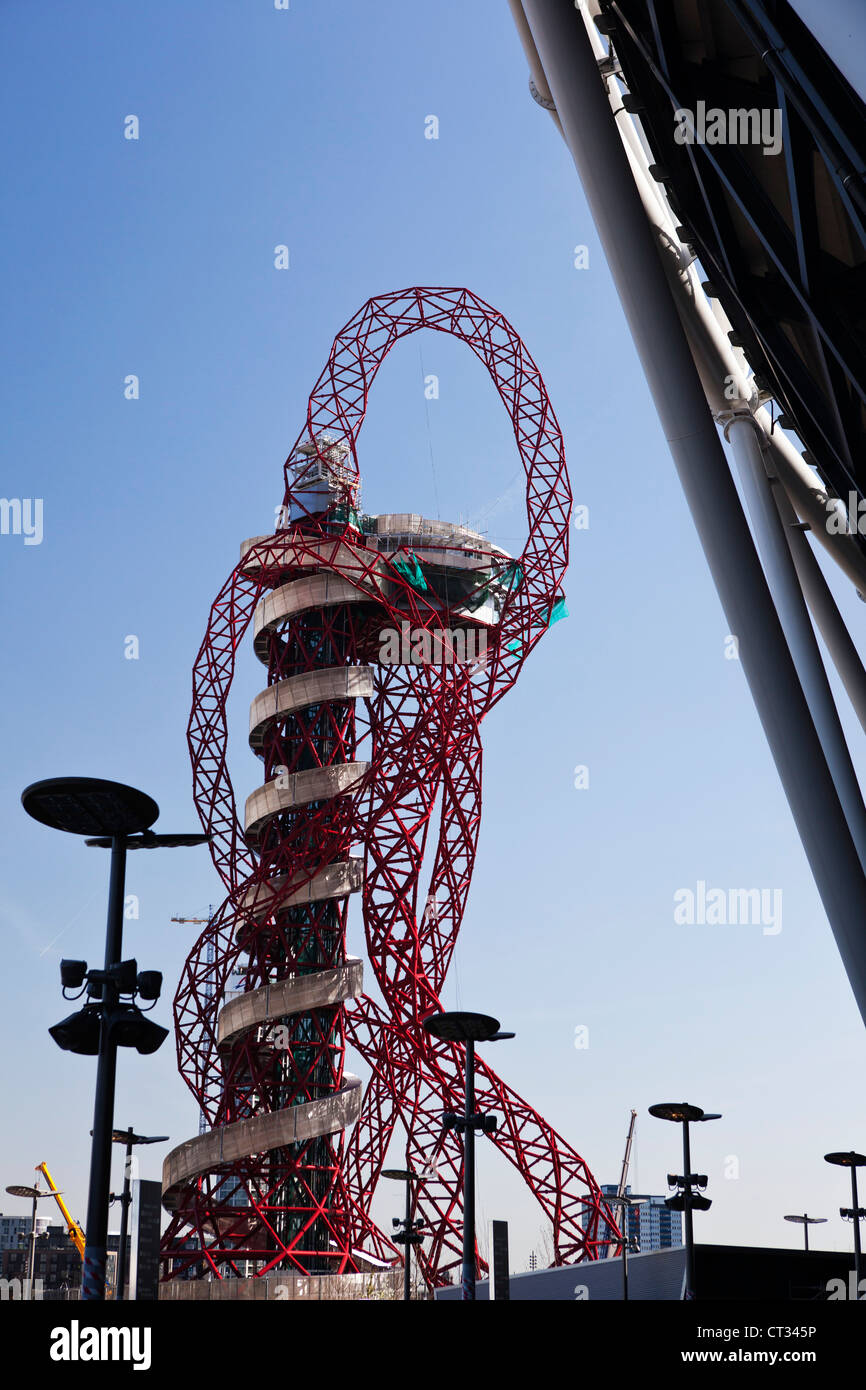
x=155, y=257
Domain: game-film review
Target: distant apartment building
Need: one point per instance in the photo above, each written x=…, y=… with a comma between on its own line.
x=652, y=1225
x=58, y=1263
x=57, y=1260
x=15, y=1230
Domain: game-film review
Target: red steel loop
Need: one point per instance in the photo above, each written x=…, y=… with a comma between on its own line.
x=414, y=737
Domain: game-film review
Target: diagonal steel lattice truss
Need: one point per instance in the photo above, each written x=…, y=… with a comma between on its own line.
x=371, y=752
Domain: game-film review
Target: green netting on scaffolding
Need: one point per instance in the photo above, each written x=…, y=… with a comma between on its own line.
x=506, y=582
x=410, y=569
x=342, y=513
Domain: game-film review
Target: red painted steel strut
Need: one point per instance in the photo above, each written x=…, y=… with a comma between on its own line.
x=359, y=750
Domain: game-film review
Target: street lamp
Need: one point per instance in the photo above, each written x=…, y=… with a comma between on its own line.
x=127, y=1137
x=625, y=1202
x=467, y=1028
x=855, y=1212
x=119, y=817
x=807, y=1221
x=686, y=1200
x=411, y=1233
x=34, y=1193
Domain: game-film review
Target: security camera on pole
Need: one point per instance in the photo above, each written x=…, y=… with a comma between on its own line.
x=468, y=1029
x=119, y=817
x=686, y=1199
x=409, y=1232
x=855, y=1213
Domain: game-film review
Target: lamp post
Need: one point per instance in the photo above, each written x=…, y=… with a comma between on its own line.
x=807, y=1221
x=855, y=1212
x=34, y=1193
x=119, y=817
x=411, y=1232
x=467, y=1028
x=686, y=1200
x=625, y=1203
x=128, y=1137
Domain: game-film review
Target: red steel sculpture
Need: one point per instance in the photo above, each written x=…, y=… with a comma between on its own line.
x=386, y=640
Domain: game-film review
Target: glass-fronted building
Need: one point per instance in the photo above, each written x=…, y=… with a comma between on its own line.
x=652, y=1225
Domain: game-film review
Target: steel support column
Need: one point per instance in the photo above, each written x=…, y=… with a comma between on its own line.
x=745, y=435
x=581, y=101
x=822, y=606
x=96, y=1239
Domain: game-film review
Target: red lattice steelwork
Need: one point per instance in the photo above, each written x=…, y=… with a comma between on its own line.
x=359, y=755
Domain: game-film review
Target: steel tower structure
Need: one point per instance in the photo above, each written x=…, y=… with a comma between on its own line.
x=386, y=641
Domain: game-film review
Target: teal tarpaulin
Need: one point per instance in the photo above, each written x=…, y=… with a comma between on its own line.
x=411, y=570
x=559, y=610
x=556, y=614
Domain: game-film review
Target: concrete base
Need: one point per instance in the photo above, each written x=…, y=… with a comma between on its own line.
x=383, y=1286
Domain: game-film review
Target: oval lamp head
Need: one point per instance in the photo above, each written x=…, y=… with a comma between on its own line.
x=89, y=806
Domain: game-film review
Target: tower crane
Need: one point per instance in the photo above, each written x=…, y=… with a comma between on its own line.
x=623, y=1179
x=626, y=1158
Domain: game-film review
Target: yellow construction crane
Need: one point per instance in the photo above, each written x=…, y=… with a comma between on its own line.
x=74, y=1231
x=76, y=1235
